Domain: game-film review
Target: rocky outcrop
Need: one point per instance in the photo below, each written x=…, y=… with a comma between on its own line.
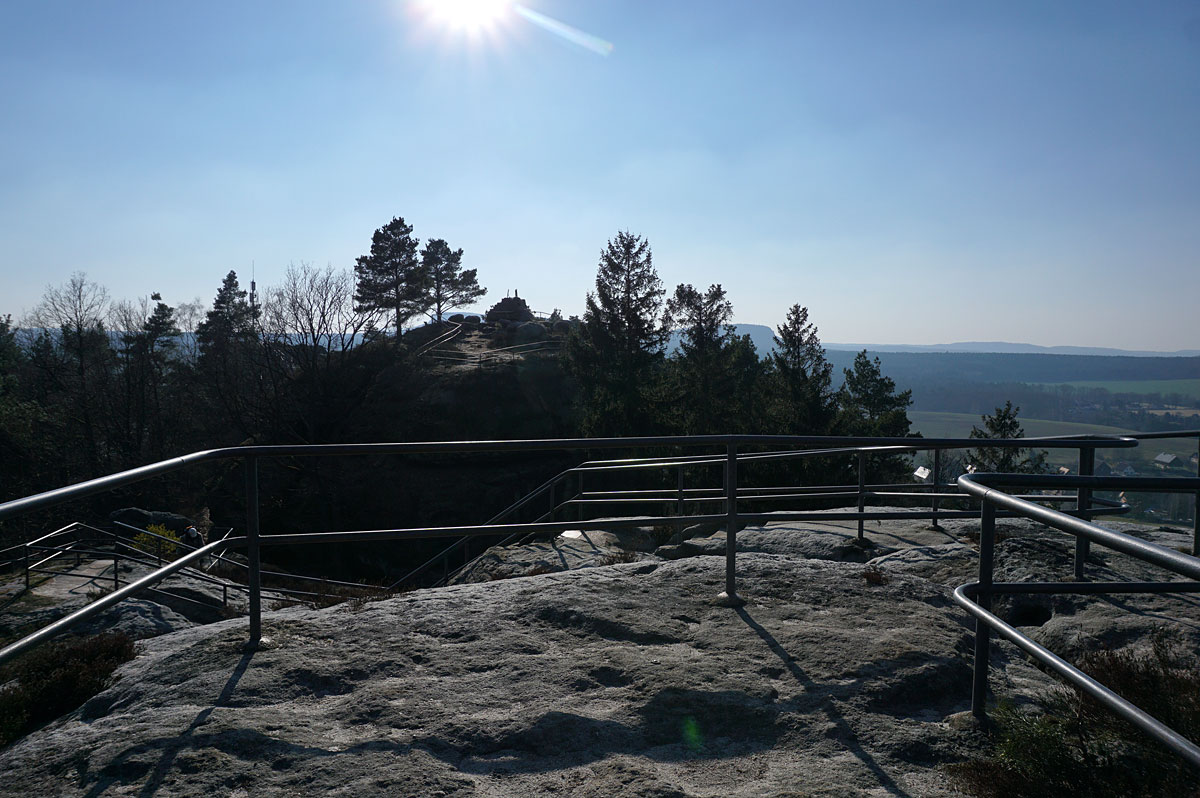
x=624, y=680
x=141, y=519
x=836, y=679
x=511, y=308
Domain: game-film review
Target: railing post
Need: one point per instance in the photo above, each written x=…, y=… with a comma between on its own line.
x=679, y=502
x=116, y=565
x=937, y=484
x=158, y=550
x=252, y=554
x=1196, y=509
x=862, y=487
x=987, y=540
x=579, y=496
x=730, y=598
x=26, y=547
x=1087, y=467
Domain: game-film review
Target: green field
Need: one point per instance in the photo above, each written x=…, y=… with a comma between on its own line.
x=1183, y=387
x=958, y=425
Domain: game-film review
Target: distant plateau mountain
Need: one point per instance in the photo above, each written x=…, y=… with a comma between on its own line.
x=764, y=340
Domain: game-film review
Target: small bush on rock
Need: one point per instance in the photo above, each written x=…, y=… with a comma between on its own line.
x=618, y=557
x=874, y=575
x=1079, y=748
x=55, y=679
x=152, y=545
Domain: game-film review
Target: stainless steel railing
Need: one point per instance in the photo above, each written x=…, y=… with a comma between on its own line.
x=976, y=597
x=993, y=503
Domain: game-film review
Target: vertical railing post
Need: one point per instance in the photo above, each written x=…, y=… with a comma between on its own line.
x=1196, y=508
x=252, y=554
x=679, y=503
x=983, y=597
x=158, y=550
x=937, y=484
x=26, y=547
x=862, y=489
x=579, y=496
x=1087, y=467
x=730, y=598
x=116, y=564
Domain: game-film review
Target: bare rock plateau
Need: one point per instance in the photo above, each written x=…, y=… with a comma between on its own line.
x=611, y=680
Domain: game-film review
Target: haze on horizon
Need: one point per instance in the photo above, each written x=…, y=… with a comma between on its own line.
x=913, y=173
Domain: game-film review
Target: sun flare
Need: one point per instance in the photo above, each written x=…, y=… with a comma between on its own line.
x=466, y=15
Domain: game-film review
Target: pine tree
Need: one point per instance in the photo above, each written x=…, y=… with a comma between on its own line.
x=615, y=351
x=704, y=370
x=1004, y=424
x=449, y=285
x=392, y=277
x=869, y=407
x=228, y=340
x=804, y=376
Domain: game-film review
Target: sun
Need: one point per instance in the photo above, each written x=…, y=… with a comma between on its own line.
x=470, y=16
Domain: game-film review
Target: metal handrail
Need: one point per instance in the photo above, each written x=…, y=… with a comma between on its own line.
x=236, y=564
x=253, y=540
x=918, y=444
x=449, y=335
x=976, y=597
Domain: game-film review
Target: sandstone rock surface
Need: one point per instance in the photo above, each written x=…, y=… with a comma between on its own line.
x=617, y=680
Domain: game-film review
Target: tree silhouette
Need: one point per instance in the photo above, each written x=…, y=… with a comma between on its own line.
x=870, y=407
x=804, y=375
x=391, y=278
x=448, y=284
x=708, y=365
x=1003, y=424
x=614, y=351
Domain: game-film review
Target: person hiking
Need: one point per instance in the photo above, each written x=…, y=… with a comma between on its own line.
x=193, y=538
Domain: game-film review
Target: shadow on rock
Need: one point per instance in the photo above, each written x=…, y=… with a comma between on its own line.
x=674, y=725
x=845, y=734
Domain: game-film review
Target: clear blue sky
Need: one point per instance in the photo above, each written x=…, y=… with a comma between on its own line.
x=907, y=169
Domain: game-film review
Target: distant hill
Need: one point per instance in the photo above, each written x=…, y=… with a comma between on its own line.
x=910, y=368
x=762, y=336
x=1006, y=348
x=764, y=341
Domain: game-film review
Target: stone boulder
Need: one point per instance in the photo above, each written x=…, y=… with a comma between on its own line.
x=139, y=618
x=529, y=332
x=511, y=308
x=139, y=518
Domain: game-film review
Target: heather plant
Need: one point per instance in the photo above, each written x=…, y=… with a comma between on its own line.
x=1078, y=747
x=55, y=679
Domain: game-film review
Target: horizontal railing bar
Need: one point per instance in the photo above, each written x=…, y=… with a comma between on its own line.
x=40, y=563
x=1149, y=436
x=1174, y=561
x=66, y=528
x=89, y=487
x=1093, y=587
x=470, y=531
x=1138, y=717
x=1136, y=484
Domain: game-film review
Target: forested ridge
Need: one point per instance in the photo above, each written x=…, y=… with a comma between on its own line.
x=90, y=386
